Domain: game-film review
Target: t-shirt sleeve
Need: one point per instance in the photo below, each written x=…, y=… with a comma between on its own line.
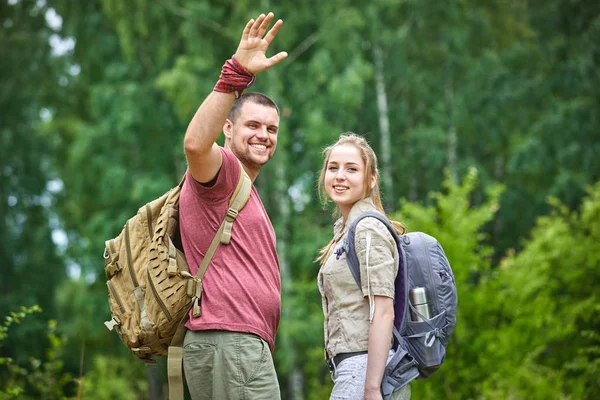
x=227, y=179
x=378, y=272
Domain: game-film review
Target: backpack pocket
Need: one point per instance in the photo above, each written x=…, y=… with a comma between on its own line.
x=116, y=303
x=125, y=322
x=424, y=343
x=167, y=300
x=399, y=371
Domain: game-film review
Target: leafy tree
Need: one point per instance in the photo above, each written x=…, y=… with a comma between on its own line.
x=545, y=302
x=31, y=77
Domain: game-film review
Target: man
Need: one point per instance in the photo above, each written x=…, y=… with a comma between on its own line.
x=228, y=349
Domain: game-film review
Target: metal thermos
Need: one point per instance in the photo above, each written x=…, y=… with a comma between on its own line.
x=420, y=301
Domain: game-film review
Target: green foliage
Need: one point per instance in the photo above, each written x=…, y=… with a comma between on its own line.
x=115, y=378
x=509, y=87
x=550, y=300
x=528, y=329
x=30, y=85
x=16, y=318
x=40, y=378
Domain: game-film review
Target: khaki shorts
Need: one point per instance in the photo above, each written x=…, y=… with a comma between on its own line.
x=229, y=365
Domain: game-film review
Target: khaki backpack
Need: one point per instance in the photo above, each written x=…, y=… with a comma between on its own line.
x=150, y=288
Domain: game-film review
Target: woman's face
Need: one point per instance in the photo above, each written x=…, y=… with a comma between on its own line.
x=345, y=177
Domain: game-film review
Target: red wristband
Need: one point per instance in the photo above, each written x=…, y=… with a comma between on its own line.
x=234, y=78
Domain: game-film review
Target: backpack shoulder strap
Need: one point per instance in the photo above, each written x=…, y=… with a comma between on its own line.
x=238, y=200
x=401, y=282
x=349, y=246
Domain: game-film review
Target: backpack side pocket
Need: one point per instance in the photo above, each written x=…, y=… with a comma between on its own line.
x=424, y=343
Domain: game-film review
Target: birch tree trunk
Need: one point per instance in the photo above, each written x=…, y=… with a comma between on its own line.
x=385, y=150
x=452, y=135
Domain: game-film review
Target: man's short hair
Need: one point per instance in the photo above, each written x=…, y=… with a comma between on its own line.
x=253, y=97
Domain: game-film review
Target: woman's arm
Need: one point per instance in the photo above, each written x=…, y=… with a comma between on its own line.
x=378, y=268
x=380, y=339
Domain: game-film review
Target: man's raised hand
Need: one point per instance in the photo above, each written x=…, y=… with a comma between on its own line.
x=251, y=52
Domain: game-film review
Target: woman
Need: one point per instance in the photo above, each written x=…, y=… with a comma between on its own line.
x=358, y=323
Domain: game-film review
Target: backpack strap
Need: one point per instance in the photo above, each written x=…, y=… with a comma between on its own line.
x=238, y=200
x=401, y=282
x=349, y=246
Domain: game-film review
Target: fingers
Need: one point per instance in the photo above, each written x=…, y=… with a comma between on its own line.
x=258, y=27
x=273, y=32
x=257, y=24
x=265, y=24
x=256, y=38
x=246, y=31
x=277, y=58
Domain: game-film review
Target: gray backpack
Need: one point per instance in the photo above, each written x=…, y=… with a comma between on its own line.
x=425, y=304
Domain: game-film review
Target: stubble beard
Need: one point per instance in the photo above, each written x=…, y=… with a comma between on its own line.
x=246, y=157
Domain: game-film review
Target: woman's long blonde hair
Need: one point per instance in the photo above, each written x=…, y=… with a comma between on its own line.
x=370, y=159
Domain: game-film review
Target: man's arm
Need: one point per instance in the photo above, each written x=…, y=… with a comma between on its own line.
x=203, y=154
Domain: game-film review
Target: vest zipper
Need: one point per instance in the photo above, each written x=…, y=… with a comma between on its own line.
x=158, y=299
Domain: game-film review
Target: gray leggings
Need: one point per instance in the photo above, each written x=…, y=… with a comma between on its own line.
x=349, y=380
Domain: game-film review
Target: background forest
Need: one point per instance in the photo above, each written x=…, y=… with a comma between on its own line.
x=485, y=116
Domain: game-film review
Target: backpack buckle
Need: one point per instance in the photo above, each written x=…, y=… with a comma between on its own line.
x=112, y=323
x=191, y=287
x=194, y=287
x=141, y=351
x=231, y=214
x=172, y=269
x=111, y=270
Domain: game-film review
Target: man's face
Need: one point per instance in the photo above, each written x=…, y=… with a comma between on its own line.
x=253, y=136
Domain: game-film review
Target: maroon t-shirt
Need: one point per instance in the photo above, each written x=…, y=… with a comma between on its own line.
x=242, y=287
